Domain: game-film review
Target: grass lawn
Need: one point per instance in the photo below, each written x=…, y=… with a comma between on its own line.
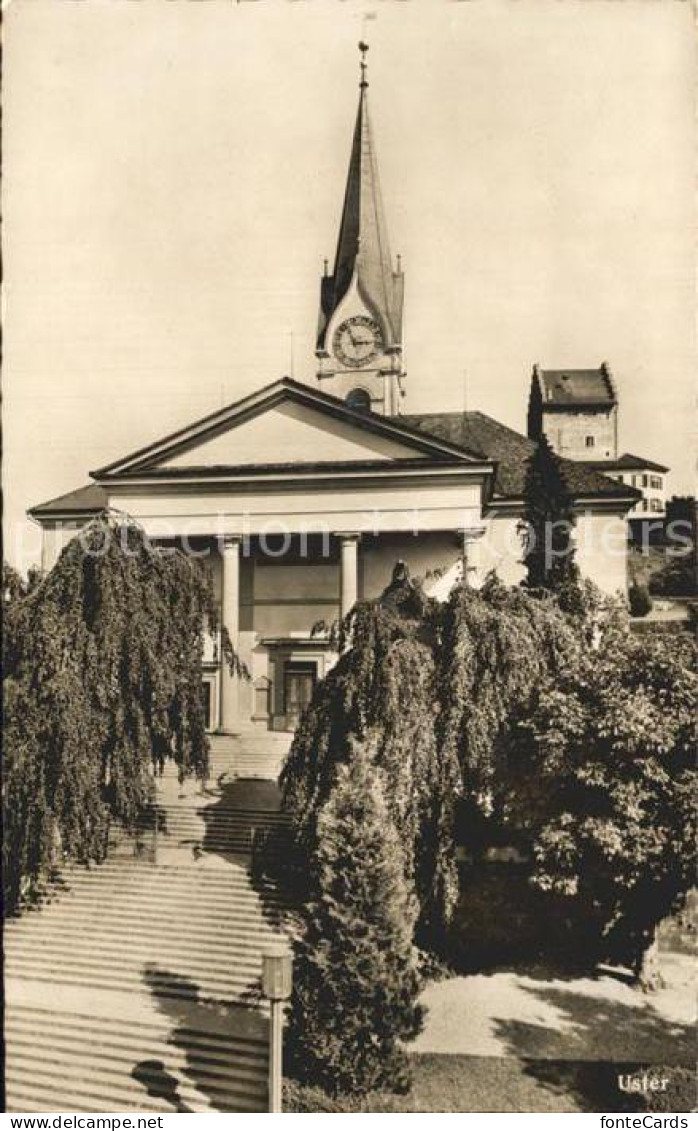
x=453, y=1083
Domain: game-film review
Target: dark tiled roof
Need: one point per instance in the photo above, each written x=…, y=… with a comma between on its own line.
x=86, y=500
x=562, y=388
x=488, y=438
x=626, y=462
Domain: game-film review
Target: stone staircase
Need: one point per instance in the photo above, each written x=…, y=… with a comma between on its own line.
x=254, y=753
x=80, y=1062
x=135, y=984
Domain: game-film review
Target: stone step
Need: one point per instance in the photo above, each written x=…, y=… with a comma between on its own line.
x=165, y=887
x=159, y=907
x=211, y=880
x=235, y=933
x=145, y=1026
x=156, y=907
x=132, y=905
x=218, y=970
x=230, y=1061
x=115, y=1090
x=103, y=1060
x=242, y=949
x=43, y=1024
x=238, y=990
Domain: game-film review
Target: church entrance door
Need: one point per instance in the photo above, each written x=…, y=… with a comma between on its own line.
x=299, y=681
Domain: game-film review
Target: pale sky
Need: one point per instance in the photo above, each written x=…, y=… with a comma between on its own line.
x=174, y=176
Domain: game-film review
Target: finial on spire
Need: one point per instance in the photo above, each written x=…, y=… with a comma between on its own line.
x=326, y=266
x=363, y=48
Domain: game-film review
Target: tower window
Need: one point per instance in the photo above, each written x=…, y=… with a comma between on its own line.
x=359, y=400
x=589, y=441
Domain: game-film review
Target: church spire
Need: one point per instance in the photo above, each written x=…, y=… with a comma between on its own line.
x=363, y=251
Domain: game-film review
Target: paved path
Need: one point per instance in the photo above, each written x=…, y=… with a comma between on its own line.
x=507, y=1014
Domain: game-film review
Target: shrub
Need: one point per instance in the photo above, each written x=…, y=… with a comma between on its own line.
x=639, y=600
x=679, y=1093
x=356, y=981
x=677, y=578
x=603, y=781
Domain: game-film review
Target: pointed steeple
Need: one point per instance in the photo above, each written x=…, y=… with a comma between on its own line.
x=363, y=250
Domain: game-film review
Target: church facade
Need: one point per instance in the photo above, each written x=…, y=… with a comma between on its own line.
x=302, y=497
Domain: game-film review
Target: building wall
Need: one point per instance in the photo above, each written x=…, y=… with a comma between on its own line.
x=602, y=550
x=54, y=538
x=653, y=487
x=601, y=544
x=403, y=503
x=501, y=547
x=568, y=433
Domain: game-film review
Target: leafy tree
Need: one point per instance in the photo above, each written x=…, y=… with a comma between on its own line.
x=102, y=664
x=356, y=982
x=603, y=782
x=549, y=520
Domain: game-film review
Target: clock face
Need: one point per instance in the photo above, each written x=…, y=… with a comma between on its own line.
x=357, y=341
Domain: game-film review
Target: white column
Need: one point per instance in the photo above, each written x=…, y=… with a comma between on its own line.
x=230, y=617
x=472, y=557
x=349, y=572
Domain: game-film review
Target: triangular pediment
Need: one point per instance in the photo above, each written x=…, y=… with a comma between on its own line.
x=284, y=424
x=288, y=433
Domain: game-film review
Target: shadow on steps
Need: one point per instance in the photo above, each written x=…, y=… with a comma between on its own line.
x=225, y=1047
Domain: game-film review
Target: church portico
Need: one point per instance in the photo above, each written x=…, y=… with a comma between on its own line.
x=279, y=599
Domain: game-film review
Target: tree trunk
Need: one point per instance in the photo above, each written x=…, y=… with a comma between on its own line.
x=649, y=976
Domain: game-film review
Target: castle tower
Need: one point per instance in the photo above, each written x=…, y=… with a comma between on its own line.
x=359, y=339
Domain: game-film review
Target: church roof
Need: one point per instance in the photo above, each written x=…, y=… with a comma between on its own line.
x=446, y=438
x=84, y=501
x=363, y=248
x=573, y=388
x=510, y=450
x=626, y=462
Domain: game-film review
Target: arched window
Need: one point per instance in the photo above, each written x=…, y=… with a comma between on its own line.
x=359, y=400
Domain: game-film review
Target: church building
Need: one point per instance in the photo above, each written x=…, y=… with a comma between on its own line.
x=303, y=495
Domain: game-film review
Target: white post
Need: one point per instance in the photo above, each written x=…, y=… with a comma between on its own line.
x=277, y=973
x=230, y=617
x=276, y=1056
x=349, y=572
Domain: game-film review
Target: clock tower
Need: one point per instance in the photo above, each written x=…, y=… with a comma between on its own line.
x=359, y=340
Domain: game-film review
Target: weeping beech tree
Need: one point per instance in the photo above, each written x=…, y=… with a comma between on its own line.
x=496, y=645
x=431, y=690
x=102, y=664
x=381, y=695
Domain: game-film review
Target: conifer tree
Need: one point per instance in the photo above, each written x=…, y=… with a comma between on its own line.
x=549, y=520
x=355, y=981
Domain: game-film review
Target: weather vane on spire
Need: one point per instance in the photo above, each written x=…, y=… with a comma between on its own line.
x=363, y=48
